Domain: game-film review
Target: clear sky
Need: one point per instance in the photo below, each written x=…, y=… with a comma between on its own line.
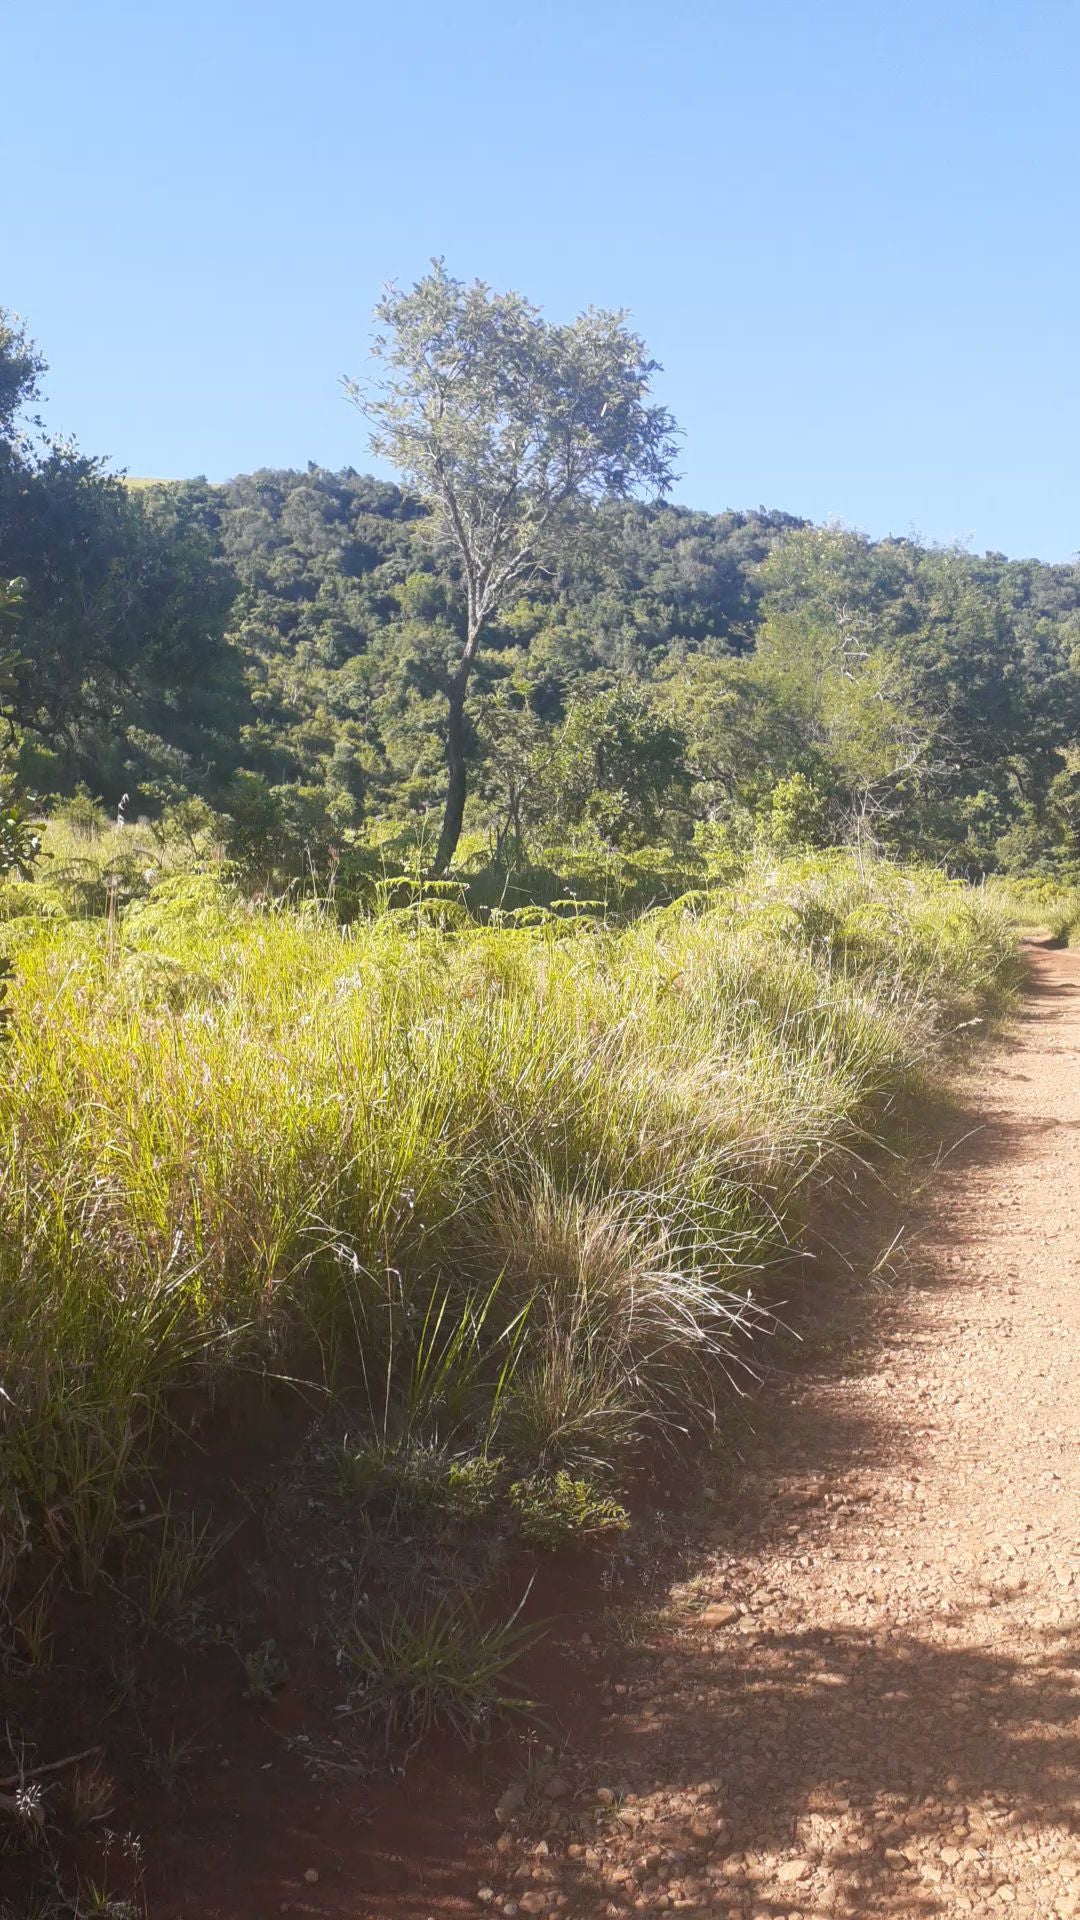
x=849, y=230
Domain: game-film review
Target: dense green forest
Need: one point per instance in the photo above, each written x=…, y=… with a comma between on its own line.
x=269, y=661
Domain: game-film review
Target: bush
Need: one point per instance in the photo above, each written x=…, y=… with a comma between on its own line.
x=555, y=1511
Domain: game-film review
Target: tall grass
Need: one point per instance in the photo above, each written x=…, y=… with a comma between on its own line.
x=507, y=1189
x=1043, y=905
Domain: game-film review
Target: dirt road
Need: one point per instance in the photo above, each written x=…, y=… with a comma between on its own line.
x=871, y=1701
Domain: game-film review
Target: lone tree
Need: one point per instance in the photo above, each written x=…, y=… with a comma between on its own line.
x=510, y=429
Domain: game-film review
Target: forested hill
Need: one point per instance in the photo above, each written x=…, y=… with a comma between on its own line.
x=278, y=647
x=346, y=620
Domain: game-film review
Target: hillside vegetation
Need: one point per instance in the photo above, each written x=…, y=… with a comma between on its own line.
x=715, y=670
x=288, y=663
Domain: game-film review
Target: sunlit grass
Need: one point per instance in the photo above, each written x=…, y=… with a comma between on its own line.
x=515, y=1185
x=1041, y=906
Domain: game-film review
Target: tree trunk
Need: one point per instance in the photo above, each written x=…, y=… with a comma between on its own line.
x=455, y=767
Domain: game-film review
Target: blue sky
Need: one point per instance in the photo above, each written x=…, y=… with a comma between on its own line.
x=849, y=231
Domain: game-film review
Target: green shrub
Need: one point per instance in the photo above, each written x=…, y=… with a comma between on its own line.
x=472, y=1486
x=409, y=1479
x=555, y=1510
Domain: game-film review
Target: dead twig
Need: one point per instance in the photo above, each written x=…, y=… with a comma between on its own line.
x=51, y=1766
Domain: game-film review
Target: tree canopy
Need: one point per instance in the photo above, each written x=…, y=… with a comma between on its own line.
x=121, y=668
